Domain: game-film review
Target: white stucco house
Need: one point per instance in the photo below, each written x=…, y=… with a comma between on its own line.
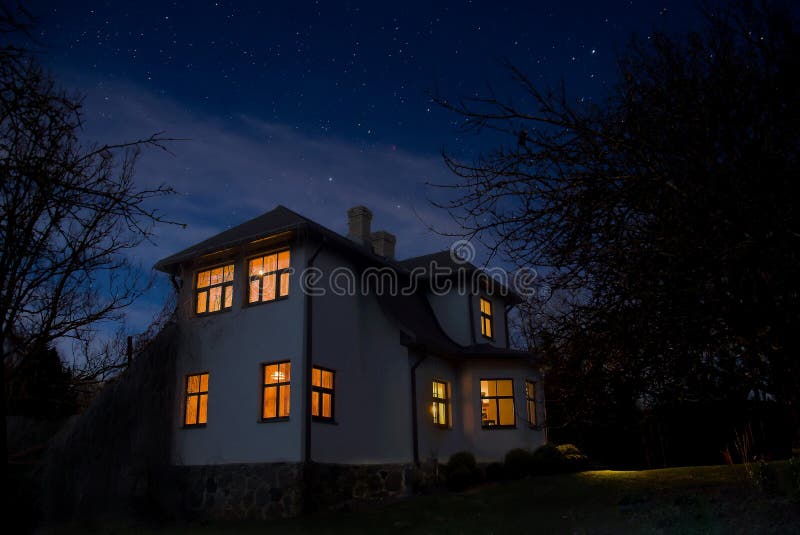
x=286, y=355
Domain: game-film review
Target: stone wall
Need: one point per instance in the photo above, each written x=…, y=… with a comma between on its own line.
x=273, y=490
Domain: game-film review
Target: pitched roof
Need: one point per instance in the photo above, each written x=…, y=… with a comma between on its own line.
x=278, y=220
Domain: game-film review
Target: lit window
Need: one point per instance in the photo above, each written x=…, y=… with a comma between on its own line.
x=322, y=393
x=196, y=400
x=440, y=402
x=497, y=403
x=277, y=377
x=269, y=277
x=486, y=318
x=214, y=289
x=530, y=401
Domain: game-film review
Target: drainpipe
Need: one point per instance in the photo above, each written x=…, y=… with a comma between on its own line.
x=307, y=360
x=508, y=309
x=414, y=431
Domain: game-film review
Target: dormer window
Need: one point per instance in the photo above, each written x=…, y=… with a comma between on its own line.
x=486, y=318
x=214, y=291
x=269, y=277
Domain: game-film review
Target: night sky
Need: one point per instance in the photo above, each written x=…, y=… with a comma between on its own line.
x=318, y=106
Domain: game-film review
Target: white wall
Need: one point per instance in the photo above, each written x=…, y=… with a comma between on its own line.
x=232, y=346
x=354, y=337
x=491, y=444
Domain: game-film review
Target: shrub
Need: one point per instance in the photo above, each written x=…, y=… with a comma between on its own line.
x=547, y=460
x=461, y=471
x=495, y=472
x=519, y=463
x=572, y=458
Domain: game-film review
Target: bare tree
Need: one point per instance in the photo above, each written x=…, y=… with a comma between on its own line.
x=68, y=213
x=667, y=209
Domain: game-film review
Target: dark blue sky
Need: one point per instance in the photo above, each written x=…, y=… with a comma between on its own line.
x=317, y=105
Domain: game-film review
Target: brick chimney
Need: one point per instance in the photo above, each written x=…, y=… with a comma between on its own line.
x=359, y=220
x=383, y=244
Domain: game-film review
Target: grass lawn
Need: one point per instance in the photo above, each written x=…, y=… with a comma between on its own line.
x=710, y=499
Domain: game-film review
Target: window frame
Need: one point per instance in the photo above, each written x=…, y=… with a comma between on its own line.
x=443, y=401
x=277, y=386
x=496, y=399
x=277, y=272
x=489, y=317
x=323, y=390
x=196, y=291
x=187, y=395
x=530, y=402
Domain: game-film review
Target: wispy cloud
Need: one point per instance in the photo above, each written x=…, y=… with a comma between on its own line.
x=234, y=168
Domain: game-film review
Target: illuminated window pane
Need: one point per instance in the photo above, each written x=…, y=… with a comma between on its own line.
x=440, y=403
x=326, y=406
x=283, y=408
x=271, y=374
x=193, y=385
x=488, y=388
x=505, y=388
x=202, y=302
x=327, y=379
x=442, y=416
x=215, y=299
x=228, y=297
x=204, y=382
x=283, y=260
x=254, y=291
x=316, y=375
x=489, y=412
x=285, y=370
x=257, y=267
x=228, y=273
x=506, y=411
x=268, y=288
x=314, y=403
x=191, y=410
x=202, y=279
x=270, y=273
x=216, y=275
x=203, y=412
x=284, y=284
x=270, y=402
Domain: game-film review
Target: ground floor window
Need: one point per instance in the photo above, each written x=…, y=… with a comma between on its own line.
x=196, y=410
x=277, y=390
x=440, y=402
x=322, y=392
x=497, y=403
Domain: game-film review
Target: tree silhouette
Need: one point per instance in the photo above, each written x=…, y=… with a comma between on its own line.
x=666, y=214
x=68, y=213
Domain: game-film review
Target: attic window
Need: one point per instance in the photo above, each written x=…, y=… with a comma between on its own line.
x=277, y=391
x=269, y=277
x=322, y=394
x=214, y=290
x=440, y=402
x=497, y=403
x=196, y=411
x=486, y=318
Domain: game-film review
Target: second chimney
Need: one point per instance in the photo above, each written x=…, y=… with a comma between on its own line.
x=359, y=220
x=383, y=244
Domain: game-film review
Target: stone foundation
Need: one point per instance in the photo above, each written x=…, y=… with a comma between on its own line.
x=274, y=490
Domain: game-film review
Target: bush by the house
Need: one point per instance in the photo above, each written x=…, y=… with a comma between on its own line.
x=495, y=472
x=462, y=471
x=574, y=460
x=550, y=459
x=518, y=463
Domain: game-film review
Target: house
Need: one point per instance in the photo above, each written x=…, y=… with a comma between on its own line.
x=298, y=344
